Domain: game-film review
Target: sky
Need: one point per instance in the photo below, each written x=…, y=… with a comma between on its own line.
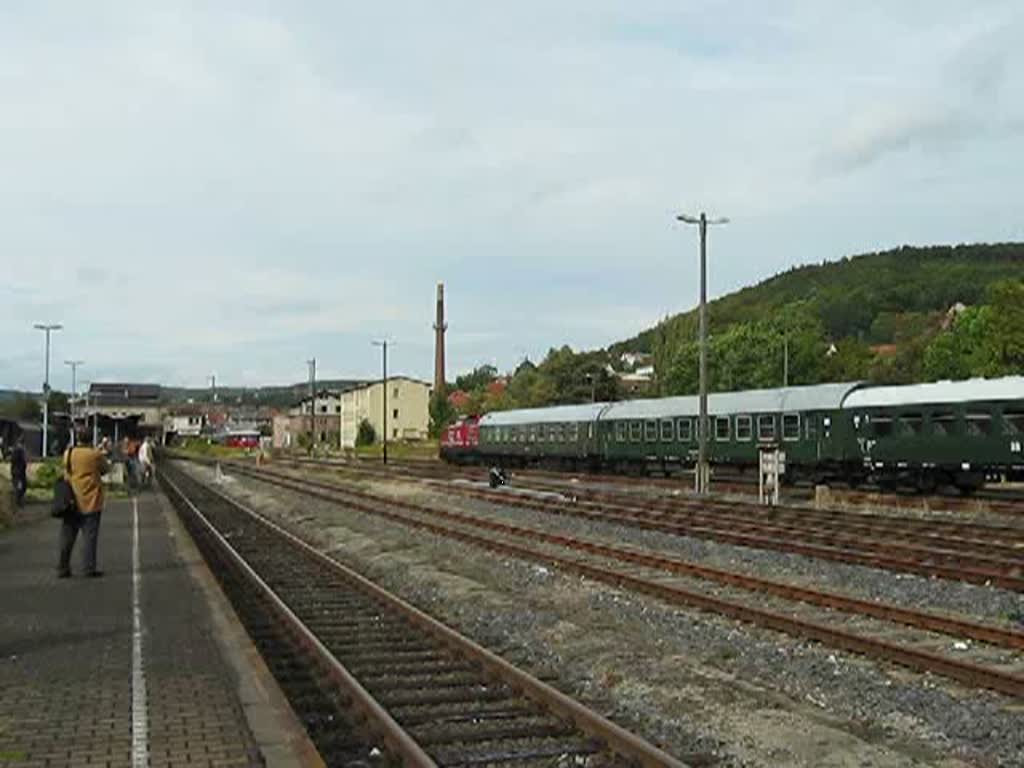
x=232, y=188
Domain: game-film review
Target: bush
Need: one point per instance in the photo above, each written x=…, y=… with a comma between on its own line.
x=366, y=435
x=46, y=474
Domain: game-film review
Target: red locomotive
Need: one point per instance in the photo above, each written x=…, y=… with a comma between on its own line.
x=460, y=440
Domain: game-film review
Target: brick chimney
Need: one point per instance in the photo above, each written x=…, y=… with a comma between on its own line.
x=439, y=328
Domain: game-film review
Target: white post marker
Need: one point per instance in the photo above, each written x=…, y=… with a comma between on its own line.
x=140, y=714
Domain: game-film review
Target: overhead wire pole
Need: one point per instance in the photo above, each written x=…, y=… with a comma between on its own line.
x=383, y=344
x=702, y=477
x=74, y=392
x=312, y=402
x=47, y=328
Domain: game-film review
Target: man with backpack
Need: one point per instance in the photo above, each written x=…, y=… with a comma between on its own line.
x=84, y=468
x=19, y=471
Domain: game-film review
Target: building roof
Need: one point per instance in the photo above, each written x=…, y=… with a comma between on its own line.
x=969, y=390
x=124, y=394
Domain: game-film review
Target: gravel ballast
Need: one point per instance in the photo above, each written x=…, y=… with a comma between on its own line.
x=702, y=685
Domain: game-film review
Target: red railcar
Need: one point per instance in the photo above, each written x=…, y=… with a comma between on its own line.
x=242, y=439
x=459, y=441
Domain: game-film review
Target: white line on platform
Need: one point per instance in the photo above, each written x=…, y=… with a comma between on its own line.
x=140, y=715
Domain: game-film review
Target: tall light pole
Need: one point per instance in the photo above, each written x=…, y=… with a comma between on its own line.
x=312, y=402
x=74, y=392
x=703, y=474
x=47, y=328
x=384, y=384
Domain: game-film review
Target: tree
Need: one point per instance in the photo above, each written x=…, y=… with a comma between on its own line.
x=965, y=349
x=1006, y=343
x=441, y=414
x=478, y=378
x=22, y=408
x=850, y=362
x=366, y=434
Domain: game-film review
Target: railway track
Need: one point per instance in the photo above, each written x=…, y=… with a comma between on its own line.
x=991, y=499
x=376, y=680
x=972, y=552
x=800, y=612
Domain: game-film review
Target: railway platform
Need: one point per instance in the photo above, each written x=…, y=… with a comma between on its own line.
x=146, y=666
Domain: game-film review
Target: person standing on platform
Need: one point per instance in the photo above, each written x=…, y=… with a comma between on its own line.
x=84, y=468
x=19, y=471
x=146, y=463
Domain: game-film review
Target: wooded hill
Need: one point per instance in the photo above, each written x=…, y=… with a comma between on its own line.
x=903, y=315
x=898, y=316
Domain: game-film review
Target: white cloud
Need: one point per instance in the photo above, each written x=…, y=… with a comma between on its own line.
x=230, y=187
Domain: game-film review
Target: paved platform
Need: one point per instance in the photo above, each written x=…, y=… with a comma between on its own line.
x=126, y=670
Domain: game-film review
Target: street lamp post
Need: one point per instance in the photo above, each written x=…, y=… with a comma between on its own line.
x=312, y=402
x=703, y=475
x=47, y=328
x=74, y=392
x=384, y=385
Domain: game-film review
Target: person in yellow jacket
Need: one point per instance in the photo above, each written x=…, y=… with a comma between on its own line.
x=83, y=467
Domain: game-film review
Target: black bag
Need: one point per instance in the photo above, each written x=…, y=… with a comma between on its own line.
x=64, y=504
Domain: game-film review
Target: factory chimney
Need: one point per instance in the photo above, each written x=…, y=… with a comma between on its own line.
x=439, y=328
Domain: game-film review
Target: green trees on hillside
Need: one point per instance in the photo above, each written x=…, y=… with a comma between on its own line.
x=890, y=317
x=987, y=340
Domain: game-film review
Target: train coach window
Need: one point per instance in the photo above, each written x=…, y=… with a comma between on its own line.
x=811, y=427
x=979, y=424
x=791, y=426
x=744, y=427
x=620, y=431
x=684, y=429
x=574, y=432
x=882, y=426
x=766, y=427
x=944, y=423
x=721, y=428
x=911, y=423
x=636, y=431
x=667, y=431
x=1013, y=421
x=650, y=430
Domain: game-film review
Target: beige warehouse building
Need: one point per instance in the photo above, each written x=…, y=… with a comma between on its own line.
x=408, y=404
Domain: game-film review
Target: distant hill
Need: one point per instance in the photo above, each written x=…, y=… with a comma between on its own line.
x=277, y=396
x=879, y=312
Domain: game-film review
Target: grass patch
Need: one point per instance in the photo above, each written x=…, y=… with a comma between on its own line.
x=420, y=449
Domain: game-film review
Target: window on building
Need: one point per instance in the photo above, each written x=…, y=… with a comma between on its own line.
x=337, y=409
x=791, y=426
x=394, y=433
x=684, y=429
x=744, y=427
x=979, y=424
x=394, y=413
x=323, y=409
x=667, y=431
x=620, y=431
x=323, y=437
x=721, y=428
x=636, y=431
x=1013, y=421
x=882, y=426
x=394, y=394
x=766, y=427
x=911, y=423
x=650, y=430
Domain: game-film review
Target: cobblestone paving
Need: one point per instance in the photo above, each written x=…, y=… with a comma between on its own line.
x=66, y=655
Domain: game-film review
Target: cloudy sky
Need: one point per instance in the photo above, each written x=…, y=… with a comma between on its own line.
x=234, y=187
